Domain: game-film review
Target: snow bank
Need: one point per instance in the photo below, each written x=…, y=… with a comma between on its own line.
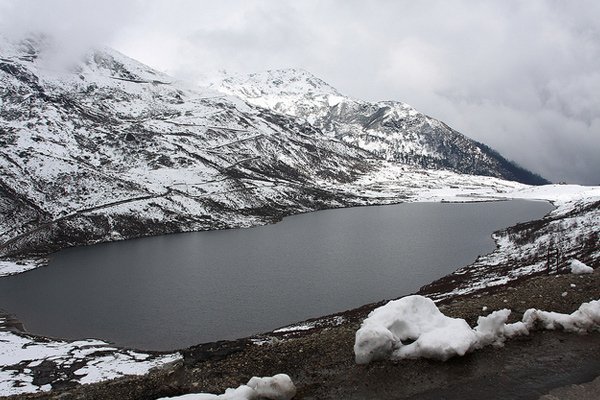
x=559, y=194
x=413, y=327
x=278, y=387
x=493, y=329
x=578, y=268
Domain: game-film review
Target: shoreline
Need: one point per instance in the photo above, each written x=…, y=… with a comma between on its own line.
x=14, y=265
x=385, y=186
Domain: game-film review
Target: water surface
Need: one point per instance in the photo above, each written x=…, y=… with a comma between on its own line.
x=173, y=291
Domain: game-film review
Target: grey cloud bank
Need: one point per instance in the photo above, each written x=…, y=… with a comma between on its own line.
x=522, y=77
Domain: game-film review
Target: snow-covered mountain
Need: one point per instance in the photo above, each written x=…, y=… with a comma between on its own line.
x=389, y=129
x=101, y=147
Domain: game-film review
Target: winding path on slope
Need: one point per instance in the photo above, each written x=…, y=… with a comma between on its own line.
x=76, y=213
x=169, y=190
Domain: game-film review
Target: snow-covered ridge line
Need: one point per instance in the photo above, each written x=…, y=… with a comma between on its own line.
x=391, y=130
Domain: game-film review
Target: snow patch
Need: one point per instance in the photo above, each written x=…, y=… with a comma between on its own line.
x=21, y=355
x=579, y=268
x=306, y=326
x=16, y=267
x=585, y=319
x=390, y=329
x=278, y=387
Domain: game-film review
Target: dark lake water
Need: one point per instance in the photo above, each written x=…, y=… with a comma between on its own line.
x=173, y=291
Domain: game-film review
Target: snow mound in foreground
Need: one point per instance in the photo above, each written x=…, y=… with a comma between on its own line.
x=278, y=387
x=413, y=319
x=578, y=268
x=585, y=319
x=413, y=327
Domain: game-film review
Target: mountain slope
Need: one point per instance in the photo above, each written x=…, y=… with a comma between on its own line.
x=390, y=130
x=102, y=148
x=112, y=133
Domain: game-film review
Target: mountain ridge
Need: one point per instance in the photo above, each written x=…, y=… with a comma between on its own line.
x=389, y=129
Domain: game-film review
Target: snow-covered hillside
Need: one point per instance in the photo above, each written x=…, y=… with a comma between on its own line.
x=101, y=147
x=547, y=246
x=110, y=149
x=388, y=129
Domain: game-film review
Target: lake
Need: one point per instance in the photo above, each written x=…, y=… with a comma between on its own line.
x=173, y=291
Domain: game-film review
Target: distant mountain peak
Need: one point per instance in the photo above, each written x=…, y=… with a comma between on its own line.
x=294, y=92
x=391, y=130
x=280, y=82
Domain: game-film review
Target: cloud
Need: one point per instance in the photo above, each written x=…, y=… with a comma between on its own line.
x=519, y=76
x=71, y=23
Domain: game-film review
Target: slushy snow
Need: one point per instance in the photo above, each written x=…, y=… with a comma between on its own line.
x=578, y=268
x=278, y=387
x=413, y=327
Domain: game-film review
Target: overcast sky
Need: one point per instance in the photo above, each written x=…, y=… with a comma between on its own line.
x=520, y=76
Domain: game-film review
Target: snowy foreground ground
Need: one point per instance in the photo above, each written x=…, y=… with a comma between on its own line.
x=416, y=319
x=24, y=360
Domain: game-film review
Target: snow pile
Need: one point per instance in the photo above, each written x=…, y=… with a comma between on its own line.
x=578, y=268
x=585, y=319
x=416, y=319
x=493, y=329
x=278, y=387
x=413, y=327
